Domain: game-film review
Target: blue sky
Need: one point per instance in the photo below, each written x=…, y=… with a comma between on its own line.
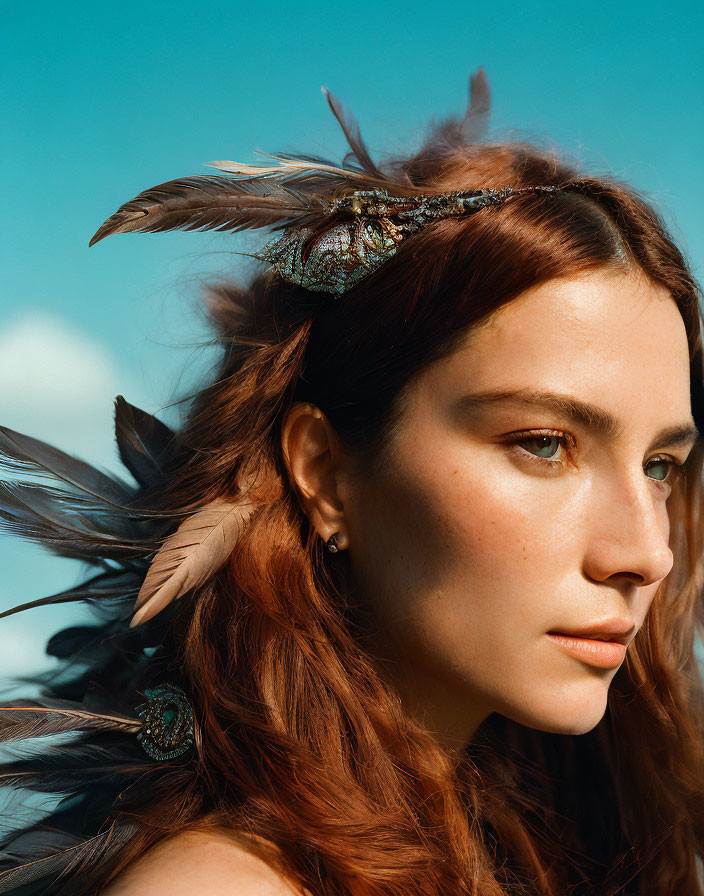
x=100, y=101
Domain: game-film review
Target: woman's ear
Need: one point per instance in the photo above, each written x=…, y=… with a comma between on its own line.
x=314, y=462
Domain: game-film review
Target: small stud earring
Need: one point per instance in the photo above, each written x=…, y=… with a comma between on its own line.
x=331, y=543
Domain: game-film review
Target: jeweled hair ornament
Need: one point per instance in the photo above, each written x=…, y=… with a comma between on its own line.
x=167, y=728
x=348, y=251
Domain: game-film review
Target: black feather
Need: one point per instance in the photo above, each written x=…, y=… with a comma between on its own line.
x=59, y=864
x=103, y=757
x=66, y=523
x=25, y=454
x=143, y=442
x=104, y=587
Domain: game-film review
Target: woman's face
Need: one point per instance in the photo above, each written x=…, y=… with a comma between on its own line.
x=501, y=517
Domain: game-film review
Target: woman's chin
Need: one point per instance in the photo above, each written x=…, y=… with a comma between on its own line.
x=576, y=716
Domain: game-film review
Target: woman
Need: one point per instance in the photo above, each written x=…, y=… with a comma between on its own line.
x=455, y=432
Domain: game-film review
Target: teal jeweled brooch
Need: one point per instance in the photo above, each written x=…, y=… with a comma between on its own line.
x=167, y=722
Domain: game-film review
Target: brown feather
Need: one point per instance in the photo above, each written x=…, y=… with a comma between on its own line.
x=204, y=202
x=191, y=555
x=476, y=120
x=30, y=718
x=297, y=190
x=350, y=128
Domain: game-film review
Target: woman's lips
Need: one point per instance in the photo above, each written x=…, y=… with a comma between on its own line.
x=603, y=654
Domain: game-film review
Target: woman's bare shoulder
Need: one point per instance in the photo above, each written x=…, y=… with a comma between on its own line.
x=193, y=862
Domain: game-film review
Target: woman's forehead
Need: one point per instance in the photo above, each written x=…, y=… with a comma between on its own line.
x=605, y=316
x=611, y=339
x=585, y=297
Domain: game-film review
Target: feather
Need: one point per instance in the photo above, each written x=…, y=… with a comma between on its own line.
x=313, y=176
x=476, y=120
x=23, y=453
x=142, y=441
x=65, y=523
x=292, y=167
x=297, y=190
x=207, y=202
x=69, y=642
x=191, y=555
x=104, y=586
x=21, y=719
x=89, y=851
x=451, y=133
x=350, y=128
x=105, y=758
x=35, y=843
x=87, y=516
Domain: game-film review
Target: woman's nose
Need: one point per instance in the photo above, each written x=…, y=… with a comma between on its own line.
x=630, y=532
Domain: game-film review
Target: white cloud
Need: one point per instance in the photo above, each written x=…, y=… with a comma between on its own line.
x=58, y=384
x=45, y=362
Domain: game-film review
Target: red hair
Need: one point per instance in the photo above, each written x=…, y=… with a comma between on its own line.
x=300, y=741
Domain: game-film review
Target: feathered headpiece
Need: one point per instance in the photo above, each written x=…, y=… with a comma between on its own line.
x=340, y=223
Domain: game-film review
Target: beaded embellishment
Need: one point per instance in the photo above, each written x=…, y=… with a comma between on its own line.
x=338, y=258
x=167, y=722
x=334, y=260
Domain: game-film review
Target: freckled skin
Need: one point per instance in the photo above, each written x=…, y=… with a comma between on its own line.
x=469, y=552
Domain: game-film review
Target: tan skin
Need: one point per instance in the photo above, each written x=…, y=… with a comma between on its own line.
x=469, y=552
x=471, y=549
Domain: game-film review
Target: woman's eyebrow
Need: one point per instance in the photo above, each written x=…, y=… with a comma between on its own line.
x=587, y=415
